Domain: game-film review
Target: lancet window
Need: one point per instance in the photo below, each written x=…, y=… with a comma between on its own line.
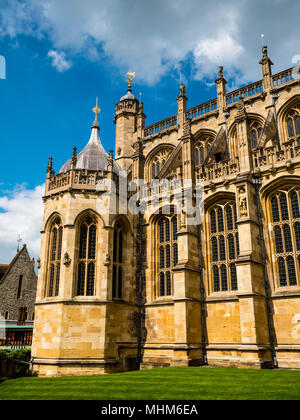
x=87, y=257
x=54, y=268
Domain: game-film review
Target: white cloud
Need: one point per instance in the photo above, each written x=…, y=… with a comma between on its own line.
x=153, y=37
x=296, y=59
x=21, y=213
x=59, y=61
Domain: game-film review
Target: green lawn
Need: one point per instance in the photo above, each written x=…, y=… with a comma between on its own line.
x=161, y=384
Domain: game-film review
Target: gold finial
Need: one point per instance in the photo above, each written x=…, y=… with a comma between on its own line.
x=96, y=110
x=131, y=76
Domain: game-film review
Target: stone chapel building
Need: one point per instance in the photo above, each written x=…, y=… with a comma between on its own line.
x=122, y=290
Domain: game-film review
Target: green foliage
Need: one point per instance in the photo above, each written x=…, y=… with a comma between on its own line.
x=18, y=359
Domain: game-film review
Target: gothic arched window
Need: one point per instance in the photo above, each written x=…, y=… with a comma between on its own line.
x=224, y=242
x=284, y=207
x=255, y=133
x=293, y=124
x=168, y=254
x=118, y=262
x=158, y=162
x=56, y=234
x=87, y=257
x=202, y=149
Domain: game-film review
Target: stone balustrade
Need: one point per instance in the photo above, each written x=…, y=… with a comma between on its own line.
x=286, y=76
x=250, y=91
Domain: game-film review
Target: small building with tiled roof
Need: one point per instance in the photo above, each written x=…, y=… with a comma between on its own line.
x=18, y=282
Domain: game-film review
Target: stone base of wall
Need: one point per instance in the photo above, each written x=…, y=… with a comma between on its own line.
x=61, y=367
x=215, y=358
x=288, y=359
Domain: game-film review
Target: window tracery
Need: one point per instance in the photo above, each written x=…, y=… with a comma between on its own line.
x=255, y=133
x=158, y=162
x=285, y=213
x=87, y=257
x=168, y=254
x=224, y=242
x=202, y=149
x=293, y=124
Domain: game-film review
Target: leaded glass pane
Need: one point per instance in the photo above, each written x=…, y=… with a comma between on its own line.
x=157, y=168
x=60, y=234
x=229, y=218
x=297, y=125
x=224, y=278
x=287, y=239
x=169, y=288
x=295, y=205
x=51, y=280
x=81, y=279
x=254, y=138
x=231, y=247
x=161, y=231
x=278, y=240
x=162, y=284
x=291, y=271
x=220, y=220
x=115, y=245
x=120, y=282
x=284, y=207
x=235, y=217
x=222, y=248
x=237, y=244
x=153, y=170
x=92, y=242
x=297, y=235
x=120, y=247
x=83, y=241
x=57, y=279
x=233, y=273
x=54, y=242
x=290, y=127
x=215, y=256
x=275, y=209
x=90, y=279
x=174, y=221
x=201, y=155
x=162, y=257
x=168, y=257
x=196, y=157
x=175, y=254
x=213, y=222
x=216, y=279
x=167, y=230
x=114, y=285
x=282, y=272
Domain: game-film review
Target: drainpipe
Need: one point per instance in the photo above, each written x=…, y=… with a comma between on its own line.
x=266, y=282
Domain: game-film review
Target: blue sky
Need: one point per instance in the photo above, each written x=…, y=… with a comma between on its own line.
x=46, y=112
x=62, y=54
